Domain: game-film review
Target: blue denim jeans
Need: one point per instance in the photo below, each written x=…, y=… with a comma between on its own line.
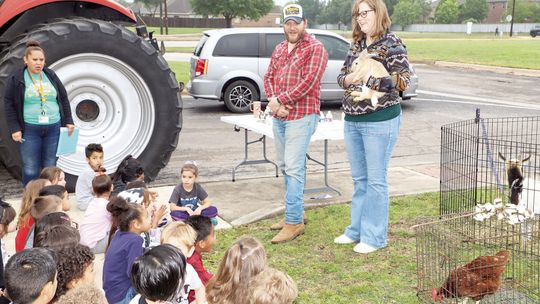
x=38, y=149
x=369, y=147
x=292, y=140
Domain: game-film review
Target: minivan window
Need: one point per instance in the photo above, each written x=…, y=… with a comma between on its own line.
x=238, y=45
x=337, y=49
x=200, y=45
x=271, y=40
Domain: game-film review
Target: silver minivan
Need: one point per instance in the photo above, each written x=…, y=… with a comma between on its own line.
x=229, y=65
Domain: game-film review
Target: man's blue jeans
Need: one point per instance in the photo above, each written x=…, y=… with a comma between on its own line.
x=369, y=147
x=292, y=140
x=38, y=149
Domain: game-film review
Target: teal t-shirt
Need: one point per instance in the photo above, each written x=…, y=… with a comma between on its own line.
x=32, y=100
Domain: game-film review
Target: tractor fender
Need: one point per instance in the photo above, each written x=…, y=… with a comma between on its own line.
x=12, y=8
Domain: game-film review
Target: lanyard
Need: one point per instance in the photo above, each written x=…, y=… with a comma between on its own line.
x=39, y=90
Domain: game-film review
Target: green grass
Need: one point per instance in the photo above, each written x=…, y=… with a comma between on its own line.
x=329, y=273
x=181, y=69
x=180, y=49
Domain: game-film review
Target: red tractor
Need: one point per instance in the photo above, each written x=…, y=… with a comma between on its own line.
x=122, y=92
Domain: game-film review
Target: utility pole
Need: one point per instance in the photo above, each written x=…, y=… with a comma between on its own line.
x=167, y=18
x=161, y=18
x=512, y=21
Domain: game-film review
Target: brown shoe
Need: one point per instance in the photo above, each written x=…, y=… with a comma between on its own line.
x=279, y=225
x=289, y=233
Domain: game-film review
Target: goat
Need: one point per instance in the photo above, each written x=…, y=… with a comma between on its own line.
x=523, y=190
x=514, y=172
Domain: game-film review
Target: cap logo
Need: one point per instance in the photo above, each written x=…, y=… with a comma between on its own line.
x=291, y=10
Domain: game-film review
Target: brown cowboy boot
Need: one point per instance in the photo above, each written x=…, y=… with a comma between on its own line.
x=279, y=225
x=289, y=233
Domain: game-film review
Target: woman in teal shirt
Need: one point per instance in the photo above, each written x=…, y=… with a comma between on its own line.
x=36, y=106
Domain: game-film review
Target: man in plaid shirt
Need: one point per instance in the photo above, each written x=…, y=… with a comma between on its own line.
x=292, y=84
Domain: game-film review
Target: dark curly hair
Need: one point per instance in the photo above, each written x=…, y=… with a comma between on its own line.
x=71, y=264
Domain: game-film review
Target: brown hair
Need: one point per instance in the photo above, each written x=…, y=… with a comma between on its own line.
x=44, y=205
x=32, y=45
x=51, y=173
x=191, y=167
x=101, y=184
x=245, y=259
x=31, y=192
x=7, y=215
x=84, y=294
x=382, y=20
x=272, y=286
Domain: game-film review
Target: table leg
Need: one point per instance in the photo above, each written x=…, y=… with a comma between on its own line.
x=245, y=161
x=324, y=164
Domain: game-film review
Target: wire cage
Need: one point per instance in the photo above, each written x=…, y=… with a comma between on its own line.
x=446, y=249
x=472, y=167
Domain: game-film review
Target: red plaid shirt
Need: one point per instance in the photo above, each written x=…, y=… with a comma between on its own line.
x=295, y=77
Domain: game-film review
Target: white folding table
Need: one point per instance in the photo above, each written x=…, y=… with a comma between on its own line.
x=325, y=131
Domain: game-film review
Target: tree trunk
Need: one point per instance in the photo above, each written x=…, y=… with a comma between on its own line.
x=228, y=20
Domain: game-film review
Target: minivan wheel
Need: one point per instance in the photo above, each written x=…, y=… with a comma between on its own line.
x=239, y=94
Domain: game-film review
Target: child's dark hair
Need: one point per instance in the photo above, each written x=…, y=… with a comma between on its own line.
x=51, y=173
x=27, y=272
x=136, y=184
x=47, y=235
x=57, y=190
x=191, y=167
x=57, y=237
x=71, y=265
x=101, y=184
x=32, y=45
x=44, y=205
x=128, y=170
x=7, y=215
x=91, y=148
x=157, y=274
x=202, y=225
x=123, y=212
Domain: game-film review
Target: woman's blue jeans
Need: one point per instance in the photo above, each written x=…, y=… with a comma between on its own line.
x=369, y=148
x=291, y=140
x=38, y=149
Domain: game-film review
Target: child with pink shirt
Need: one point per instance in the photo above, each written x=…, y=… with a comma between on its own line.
x=96, y=225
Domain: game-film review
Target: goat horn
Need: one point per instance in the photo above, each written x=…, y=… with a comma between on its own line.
x=526, y=159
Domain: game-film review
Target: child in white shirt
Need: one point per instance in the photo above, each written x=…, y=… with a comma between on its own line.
x=96, y=225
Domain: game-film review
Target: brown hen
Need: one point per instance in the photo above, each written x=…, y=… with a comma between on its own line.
x=476, y=279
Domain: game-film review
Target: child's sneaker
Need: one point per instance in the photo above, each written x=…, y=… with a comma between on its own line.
x=364, y=248
x=343, y=239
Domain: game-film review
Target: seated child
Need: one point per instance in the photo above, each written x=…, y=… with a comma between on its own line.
x=272, y=286
x=189, y=198
x=130, y=169
x=245, y=259
x=25, y=221
x=75, y=266
x=125, y=246
x=157, y=275
x=59, y=191
x=55, y=175
x=83, y=188
x=30, y=276
x=42, y=206
x=7, y=215
x=204, y=242
x=183, y=237
x=83, y=294
x=96, y=225
x=141, y=195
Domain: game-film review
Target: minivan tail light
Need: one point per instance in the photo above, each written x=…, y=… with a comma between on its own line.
x=202, y=67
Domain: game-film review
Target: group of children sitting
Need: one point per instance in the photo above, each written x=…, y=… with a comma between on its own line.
x=153, y=254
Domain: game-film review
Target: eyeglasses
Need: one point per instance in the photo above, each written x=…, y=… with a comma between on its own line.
x=363, y=14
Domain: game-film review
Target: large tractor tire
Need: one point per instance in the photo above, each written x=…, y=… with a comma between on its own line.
x=123, y=94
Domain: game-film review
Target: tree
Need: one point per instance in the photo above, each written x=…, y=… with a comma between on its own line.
x=425, y=8
x=406, y=12
x=312, y=9
x=151, y=5
x=390, y=6
x=338, y=11
x=525, y=11
x=447, y=12
x=474, y=9
x=252, y=9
